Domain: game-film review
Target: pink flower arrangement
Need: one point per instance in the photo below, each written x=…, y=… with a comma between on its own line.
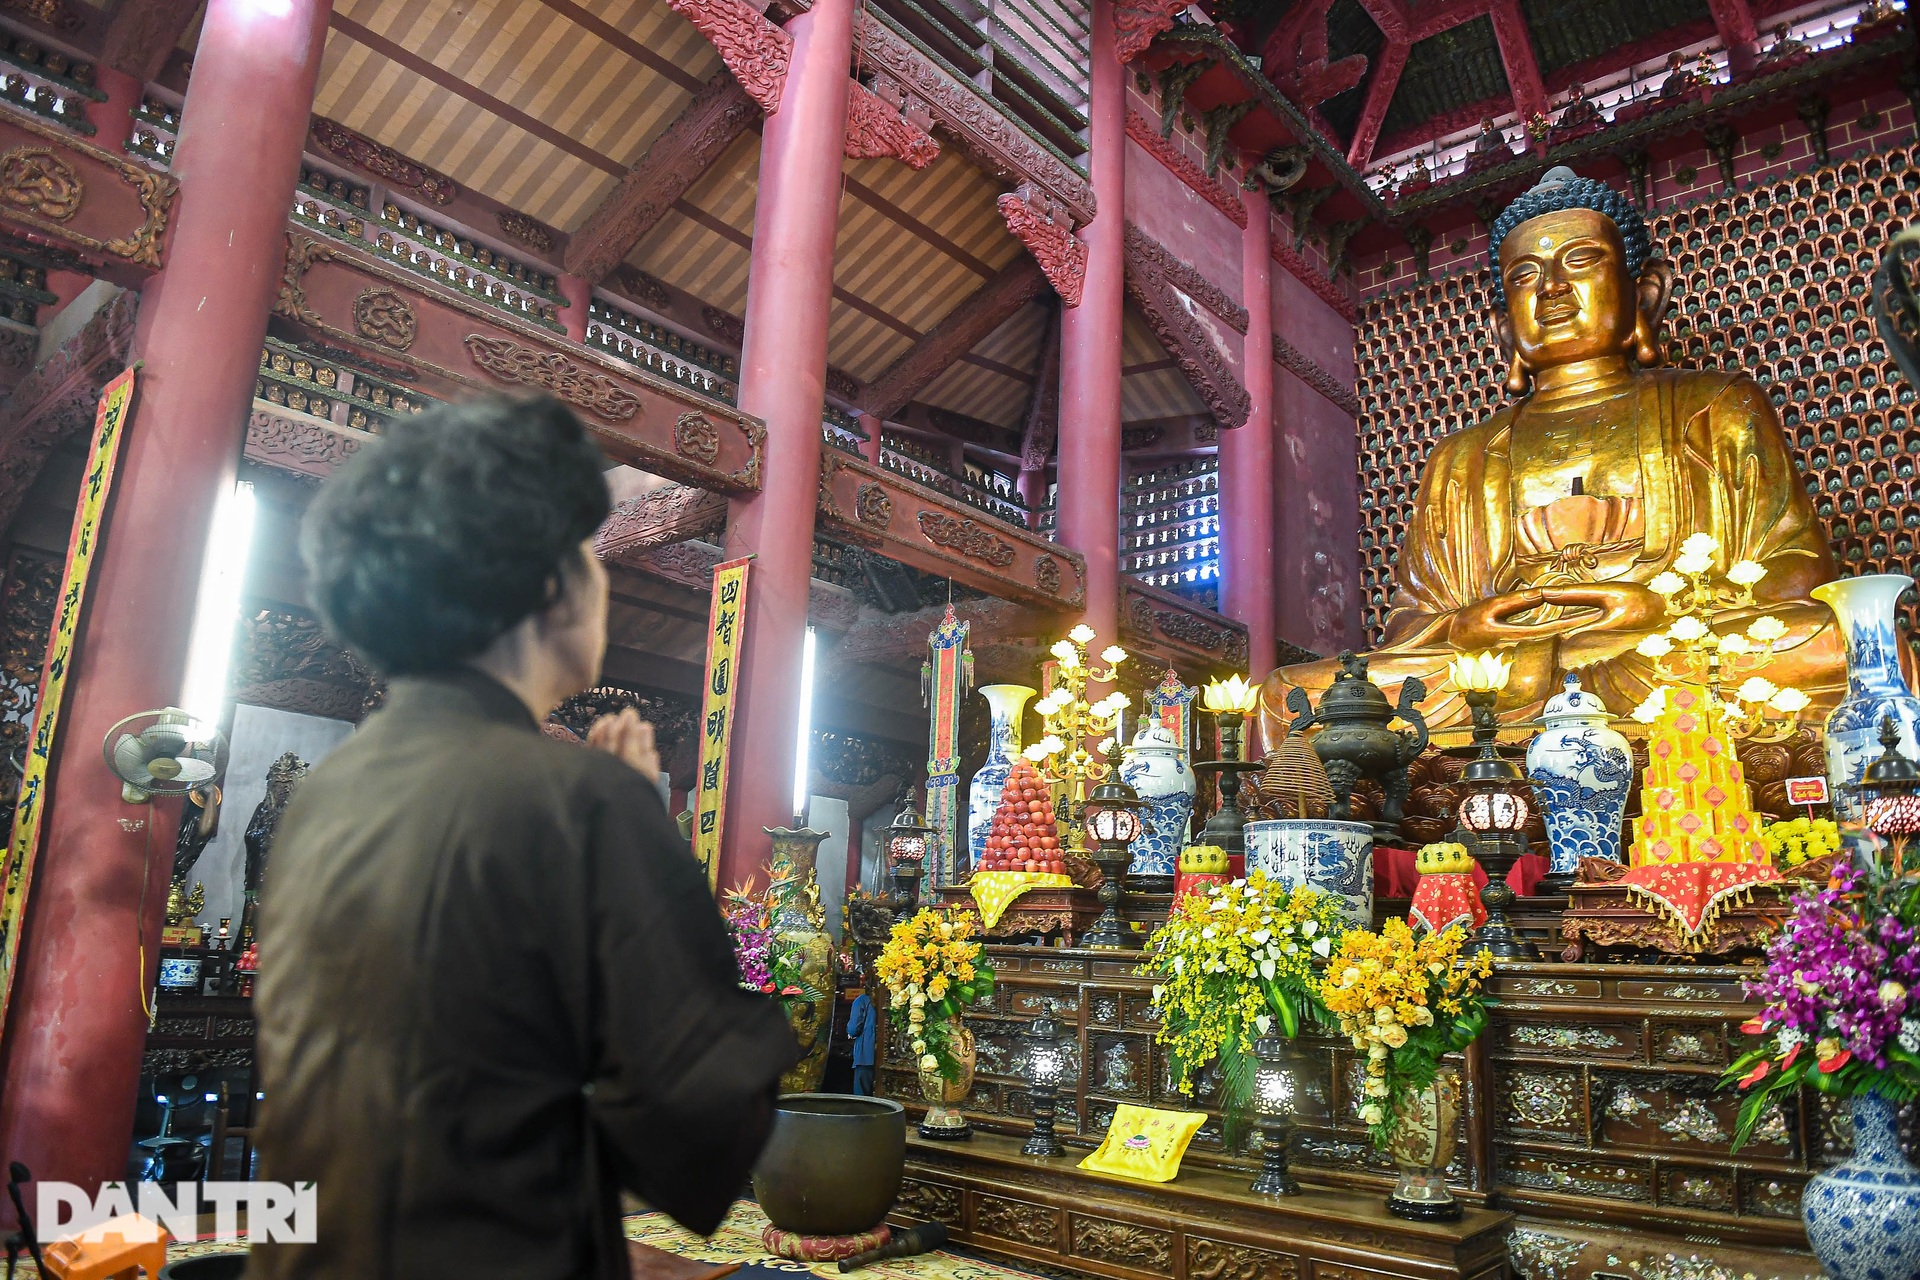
x=763, y=966
x=1841, y=1013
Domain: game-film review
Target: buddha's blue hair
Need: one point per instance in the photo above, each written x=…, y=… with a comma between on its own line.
x=1562, y=189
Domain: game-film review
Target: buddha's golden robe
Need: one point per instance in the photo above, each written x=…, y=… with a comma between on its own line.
x=1499, y=512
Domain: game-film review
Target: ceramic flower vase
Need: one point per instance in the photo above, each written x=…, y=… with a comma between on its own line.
x=799, y=929
x=1006, y=703
x=1427, y=1125
x=1318, y=853
x=1156, y=767
x=1875, y=689
x=1581, y=770
x=1863, y=1217
x=944, y=1120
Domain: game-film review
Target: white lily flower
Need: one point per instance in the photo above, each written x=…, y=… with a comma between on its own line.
x=1323, y=947
x=1310, y=928
x=1267, y=972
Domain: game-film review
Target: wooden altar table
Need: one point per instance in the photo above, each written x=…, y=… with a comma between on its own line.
x=1204, y=1225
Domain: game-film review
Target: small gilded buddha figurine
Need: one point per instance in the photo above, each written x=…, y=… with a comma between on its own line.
x=1536, y=532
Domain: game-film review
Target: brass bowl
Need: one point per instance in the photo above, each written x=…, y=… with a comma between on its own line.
x=832, y=1165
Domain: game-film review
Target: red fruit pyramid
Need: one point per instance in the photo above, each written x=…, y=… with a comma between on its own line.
x=1023, y=836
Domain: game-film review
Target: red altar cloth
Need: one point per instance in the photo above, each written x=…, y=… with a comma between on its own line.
x=1394, y=875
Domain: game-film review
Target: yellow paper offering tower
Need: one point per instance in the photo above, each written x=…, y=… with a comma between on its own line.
x=1694, y=796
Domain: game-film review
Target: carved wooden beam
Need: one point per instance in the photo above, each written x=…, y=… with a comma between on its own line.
x=879, y=130
x=1522, y=65
x=754, y=49
x=1001, y=145
x=1157, y=623
x=299, y=443
x=1137, y=22
x=1733, y=20
x=660, y=517
x=455, y=347
x=1043, y=224
x=57, y=401
x=757, y=52
x=1199, y=344
x=142, y=34
x=690, y=565
x=959, y=331
x=718, y=114
x=110, y=210
x=1299, y=38
x=941, y=535
x=1042, y=423
x=1393, y=60
x=1304, y=367
x=894, y=637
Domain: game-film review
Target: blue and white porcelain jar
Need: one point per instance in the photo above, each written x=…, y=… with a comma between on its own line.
x=1581, y=769
x=1863, y=1217
x=1875, y=689
x=1317, y=853
x=1006, y=703
x=1156, y=768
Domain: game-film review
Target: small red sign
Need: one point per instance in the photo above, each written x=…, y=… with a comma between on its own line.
x=1807, y=790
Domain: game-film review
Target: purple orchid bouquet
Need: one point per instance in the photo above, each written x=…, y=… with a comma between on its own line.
x=764, y=965
x=1841, y=1011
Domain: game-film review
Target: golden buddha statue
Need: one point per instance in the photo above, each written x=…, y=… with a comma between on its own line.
x=1536, y=532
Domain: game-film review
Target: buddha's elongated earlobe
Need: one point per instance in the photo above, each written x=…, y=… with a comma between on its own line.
x=1518, y=379
x=1645, y=349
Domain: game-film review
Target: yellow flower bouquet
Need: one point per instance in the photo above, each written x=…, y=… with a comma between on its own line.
x=1232, y=964
x=1800, y=840
x=934, y=969
x=1406, y=1003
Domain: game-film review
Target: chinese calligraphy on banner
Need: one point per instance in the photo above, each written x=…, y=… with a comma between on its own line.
x=17, y=874
x=724, y=622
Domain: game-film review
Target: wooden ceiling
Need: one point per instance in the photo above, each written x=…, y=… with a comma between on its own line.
x=540, y=104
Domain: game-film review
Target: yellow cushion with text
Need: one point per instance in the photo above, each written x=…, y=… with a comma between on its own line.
x=1145, y=1143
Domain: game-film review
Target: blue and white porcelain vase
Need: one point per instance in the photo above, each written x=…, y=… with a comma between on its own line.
x=1875, y=689
x=1863, y=1217
x=1006, y=703
x=1156, y=768
x=1317, y=853
x=1581, y=769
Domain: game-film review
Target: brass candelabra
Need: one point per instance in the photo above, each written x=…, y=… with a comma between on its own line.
x=1692, y=652
x=1062, y=755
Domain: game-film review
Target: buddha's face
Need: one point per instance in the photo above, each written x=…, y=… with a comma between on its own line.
x=1569, y=296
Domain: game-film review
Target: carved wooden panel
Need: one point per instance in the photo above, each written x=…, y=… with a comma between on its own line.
x=1140, y=1247
x=81, y=197
x=941, y=535
x=984, y=130
x=1031, y=1224
x=1221, y=1260
x=1155, y=622
x=457, y=347
x=298, y=443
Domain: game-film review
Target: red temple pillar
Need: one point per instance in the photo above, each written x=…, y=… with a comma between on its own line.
x=1246, y=457
x=1088, y=510
x=579, y=295
x=71, y=1053
x=783, y=379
